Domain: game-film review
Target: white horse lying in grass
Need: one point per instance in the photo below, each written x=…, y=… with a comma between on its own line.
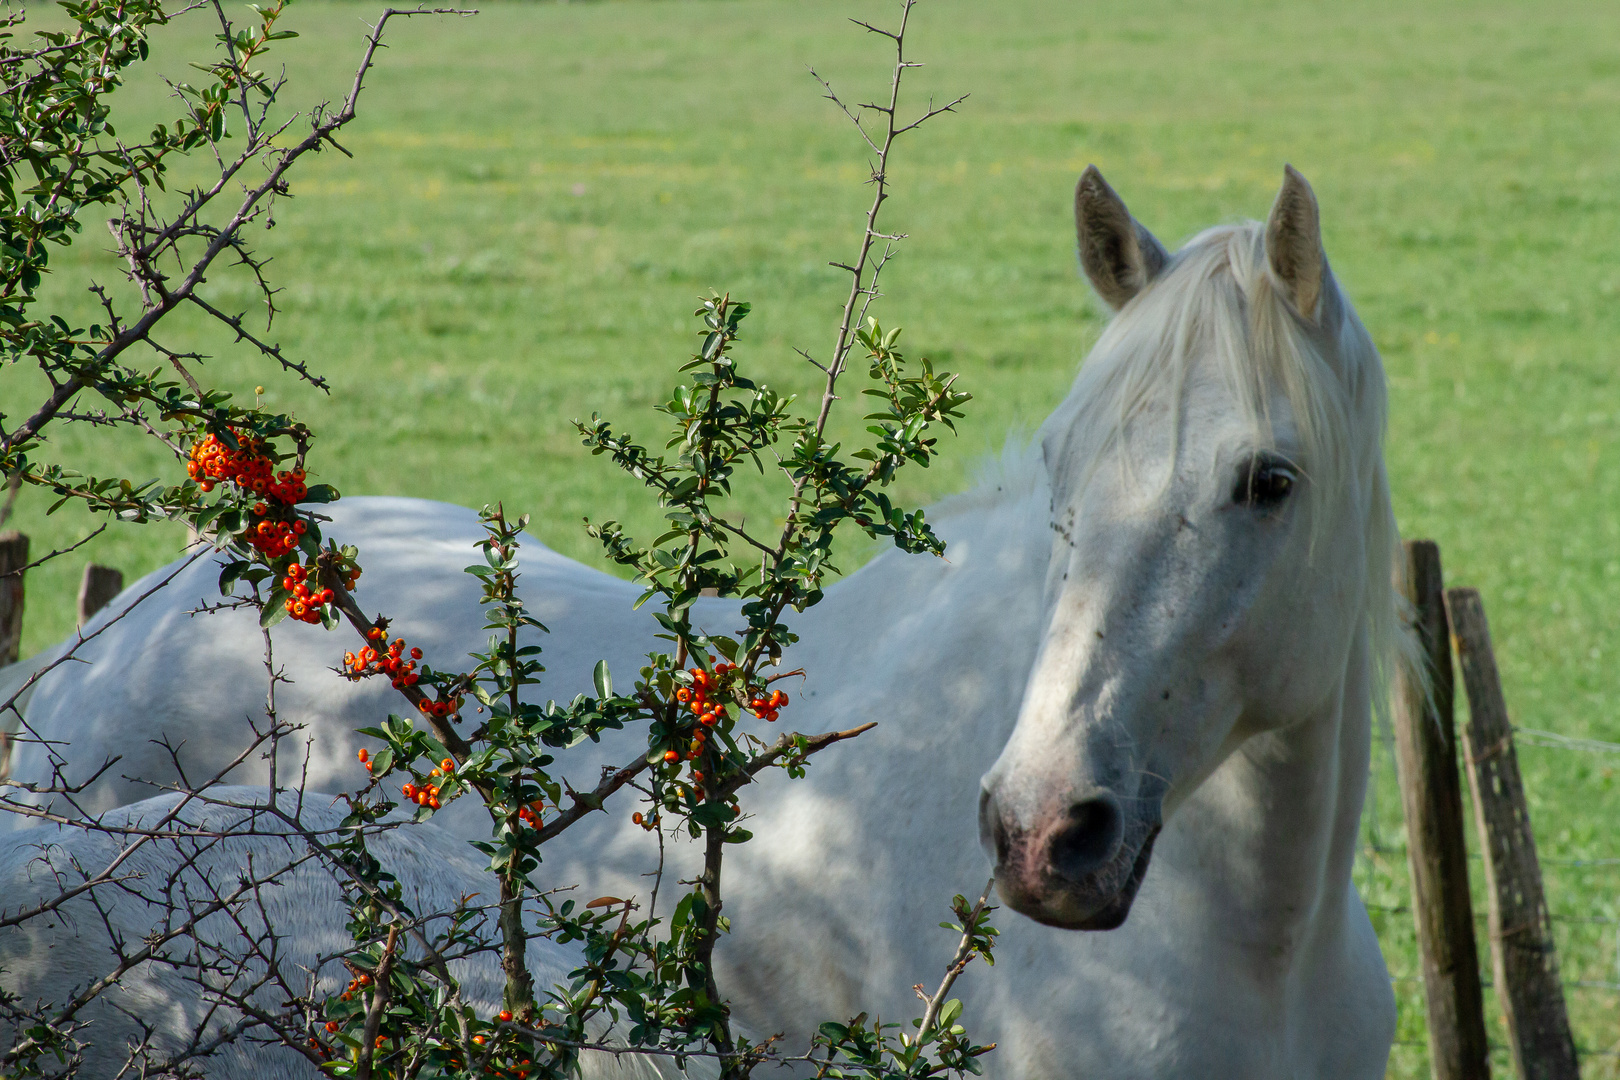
x=199, y=853
x=1144, y=679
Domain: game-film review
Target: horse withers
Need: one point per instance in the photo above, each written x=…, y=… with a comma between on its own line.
x=1143, y=682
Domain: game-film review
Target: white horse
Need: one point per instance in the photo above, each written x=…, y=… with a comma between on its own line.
x=147, y=866
x=1144, y=679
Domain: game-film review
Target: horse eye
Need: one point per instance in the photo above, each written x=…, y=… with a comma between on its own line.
x=1264, y=483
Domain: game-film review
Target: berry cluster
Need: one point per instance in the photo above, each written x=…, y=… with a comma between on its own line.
x=530, y=815
x=401, y=671
x=304, y=604
x=442, y=708
x=273, y=538
x=703, y=698
x=765, y=705
x=251, y=468
x=426, y=792
x=425, y=795
x=356, y=984
x=247, y=466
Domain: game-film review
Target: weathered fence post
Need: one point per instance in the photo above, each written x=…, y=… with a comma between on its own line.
x=99, y=585
x=13, y=557
x=1436, y=851
x=1522, y=953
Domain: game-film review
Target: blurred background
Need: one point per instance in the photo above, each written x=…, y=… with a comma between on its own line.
x=539, y=193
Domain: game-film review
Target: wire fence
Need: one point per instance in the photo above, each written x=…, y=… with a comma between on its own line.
x=1582, y=881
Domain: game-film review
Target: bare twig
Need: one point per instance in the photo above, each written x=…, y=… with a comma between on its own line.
x=99, y=529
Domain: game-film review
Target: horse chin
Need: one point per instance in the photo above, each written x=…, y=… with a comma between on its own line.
x=1075, y=907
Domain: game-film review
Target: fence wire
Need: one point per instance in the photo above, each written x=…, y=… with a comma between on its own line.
x=1588, y=941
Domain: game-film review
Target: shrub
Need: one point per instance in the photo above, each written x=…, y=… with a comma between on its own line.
x=649, y=985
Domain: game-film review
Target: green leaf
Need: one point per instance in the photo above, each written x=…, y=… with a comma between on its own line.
x=603, y=680
x=231, y=574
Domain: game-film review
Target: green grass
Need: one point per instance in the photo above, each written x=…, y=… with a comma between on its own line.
x=538, y=194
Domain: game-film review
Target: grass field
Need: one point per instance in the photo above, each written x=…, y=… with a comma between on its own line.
x=538, y=193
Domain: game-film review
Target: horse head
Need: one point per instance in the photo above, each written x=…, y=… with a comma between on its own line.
x=1220, y=538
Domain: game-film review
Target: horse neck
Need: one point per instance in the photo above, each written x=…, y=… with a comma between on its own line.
x=1283, y=815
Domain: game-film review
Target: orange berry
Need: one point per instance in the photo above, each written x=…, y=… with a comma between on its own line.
x=636, y=817
x=447, y=765
x=365, y=755
x=503, y=1016
x=671, y=756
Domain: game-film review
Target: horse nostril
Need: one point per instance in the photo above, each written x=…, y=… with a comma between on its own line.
x=992, y=833
x=1089, y=838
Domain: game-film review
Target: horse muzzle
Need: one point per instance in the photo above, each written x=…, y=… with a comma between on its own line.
x=1077, y=869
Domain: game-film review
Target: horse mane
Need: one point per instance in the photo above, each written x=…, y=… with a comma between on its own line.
x=1216, y=301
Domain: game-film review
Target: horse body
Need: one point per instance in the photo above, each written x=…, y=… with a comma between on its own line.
x=1167, y=622
x=173, y=855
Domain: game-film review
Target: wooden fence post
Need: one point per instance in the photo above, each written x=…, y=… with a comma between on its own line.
x=1436, y=850
x=13, y=557
x=1522, y=953
x=96, y=590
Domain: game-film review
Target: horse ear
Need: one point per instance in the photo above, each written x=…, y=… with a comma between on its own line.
x=1118, y=254
x=1294, y=243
